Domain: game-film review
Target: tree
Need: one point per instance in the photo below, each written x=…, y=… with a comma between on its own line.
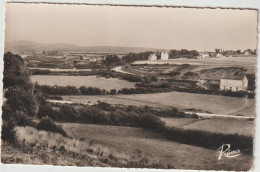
x=17, y=85
x=112, y=60
x=15, y=72
x=174, y=53
x=113, y=91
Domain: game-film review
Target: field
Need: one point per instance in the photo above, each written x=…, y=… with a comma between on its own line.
x=249, y=62
x=212, y=103
x=78, y=81
x=223, y=126
x=134, y=140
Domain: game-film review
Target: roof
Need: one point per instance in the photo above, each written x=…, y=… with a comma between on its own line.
x=233, y=77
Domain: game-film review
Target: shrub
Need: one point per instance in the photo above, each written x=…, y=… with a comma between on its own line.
x=23, y=120
x=8, y=132
x=45, y=110
x=113, y=91
x=7, y=113
x=48, y=125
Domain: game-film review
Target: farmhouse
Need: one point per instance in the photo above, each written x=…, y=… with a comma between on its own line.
x=164, y=55
x=203, y=55
x=247, y=53
x=219, y=55
x=234, y=83
x=152, y=57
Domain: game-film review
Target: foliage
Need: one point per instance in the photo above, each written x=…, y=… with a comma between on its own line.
x=8, y=132
x=183, y=53
x=23, y=120
x=15, y=72
x=21, y=100
x=131, y=57
x=112, y=60
x=48, y=125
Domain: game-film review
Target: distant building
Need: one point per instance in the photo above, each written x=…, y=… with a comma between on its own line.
x=219, y=55
x=152, y=57
x=212, y=54
x=247, y=53
x=234, y=83
x=164, y=55
x=203, y=55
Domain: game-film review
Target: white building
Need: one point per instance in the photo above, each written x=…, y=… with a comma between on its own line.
x=234, y=83
x=164, y=55
x=247, y=53
x=152, y=57
x=219, y=55
x=203, y=55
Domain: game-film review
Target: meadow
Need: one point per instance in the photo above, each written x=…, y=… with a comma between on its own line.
x=78, y=81
x=138, y=140
x=223, y=126
x=247, y=62
x=181, y=100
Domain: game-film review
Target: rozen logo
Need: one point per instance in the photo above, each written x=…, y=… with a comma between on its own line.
x=225, y=150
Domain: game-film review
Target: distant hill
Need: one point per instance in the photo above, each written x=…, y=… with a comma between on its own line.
x=28, y=47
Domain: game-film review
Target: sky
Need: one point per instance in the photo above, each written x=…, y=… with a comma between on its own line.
x=153, y=27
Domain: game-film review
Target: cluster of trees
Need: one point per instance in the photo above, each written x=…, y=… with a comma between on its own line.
x=183, y=53
x=21, y=104
x=237, y=52
x=131, y=57
x=112, y=60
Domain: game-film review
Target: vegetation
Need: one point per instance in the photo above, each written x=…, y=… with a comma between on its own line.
x=183, y=53
x=131, y=57
x=112, y=60
x=105, y=114
x=48, y=125
x=20, y=104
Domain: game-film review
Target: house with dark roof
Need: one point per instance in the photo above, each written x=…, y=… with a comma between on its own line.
x=234, y=82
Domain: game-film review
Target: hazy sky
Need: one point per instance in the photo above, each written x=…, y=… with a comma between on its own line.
x=169, y=28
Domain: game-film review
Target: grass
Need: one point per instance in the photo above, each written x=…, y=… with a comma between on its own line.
x=229, y=61
x=41, y=147
x=181, y=100
x=223, y=126
x=135, y=140
x=78, y=81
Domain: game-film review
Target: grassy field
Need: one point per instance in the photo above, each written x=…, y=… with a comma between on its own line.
x=138, y=140
x=42, y=147
x=212, y=103
x=224, y=126
x=78, y=81
x=227, y=61
x=248, y=62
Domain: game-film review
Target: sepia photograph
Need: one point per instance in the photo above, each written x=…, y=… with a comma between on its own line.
x=127, y=86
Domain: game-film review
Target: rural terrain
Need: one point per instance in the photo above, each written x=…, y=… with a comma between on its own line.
x=124, y=111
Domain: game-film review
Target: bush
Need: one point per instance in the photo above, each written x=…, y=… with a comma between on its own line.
x=48, y=125
x=8, y=132
x=7, y=112
x=23, y=120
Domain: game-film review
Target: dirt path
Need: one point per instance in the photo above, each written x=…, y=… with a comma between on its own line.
x=199, y=84
x=239, y=109
x=119, y=69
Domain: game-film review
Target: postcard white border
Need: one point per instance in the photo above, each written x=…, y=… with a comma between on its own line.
x=255, y=4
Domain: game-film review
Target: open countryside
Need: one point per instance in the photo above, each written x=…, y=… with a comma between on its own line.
x=154, y=145
x=211, y=103
x=167, y=95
